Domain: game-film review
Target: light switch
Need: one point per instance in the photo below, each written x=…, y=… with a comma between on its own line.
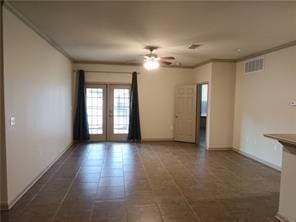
x=12, y=121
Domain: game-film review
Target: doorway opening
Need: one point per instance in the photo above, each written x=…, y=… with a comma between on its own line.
x=203, y=114
x=108, y=111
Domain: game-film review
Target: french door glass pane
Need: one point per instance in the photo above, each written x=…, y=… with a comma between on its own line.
x=121, y=111
x=94, y=105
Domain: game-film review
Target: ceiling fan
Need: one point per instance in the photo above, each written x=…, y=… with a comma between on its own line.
x=152, y=61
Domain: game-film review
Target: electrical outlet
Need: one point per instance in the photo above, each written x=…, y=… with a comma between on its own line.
x=293, y=103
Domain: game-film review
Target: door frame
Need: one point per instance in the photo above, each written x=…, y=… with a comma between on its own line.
x=106, y=119
x=198, y=108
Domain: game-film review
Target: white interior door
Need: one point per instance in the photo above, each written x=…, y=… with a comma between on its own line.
x=118, y=112
x=96, y=111
x=185, y=113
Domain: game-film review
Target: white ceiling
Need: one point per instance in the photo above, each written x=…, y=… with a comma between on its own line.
x=117, y=32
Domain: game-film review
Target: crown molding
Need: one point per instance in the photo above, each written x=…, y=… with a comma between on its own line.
x=213, y=60
x=223, y=60
x=267, y=51
x=8, y=5
x=256, y=54
x=124, y=64
x=202, y=63
x=105, y=63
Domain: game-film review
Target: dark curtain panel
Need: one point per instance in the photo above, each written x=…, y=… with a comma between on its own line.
x=80, y=122
x=134, y=131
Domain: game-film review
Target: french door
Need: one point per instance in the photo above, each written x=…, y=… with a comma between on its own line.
x=108, y=111
x=96, y=111
x=118, y=112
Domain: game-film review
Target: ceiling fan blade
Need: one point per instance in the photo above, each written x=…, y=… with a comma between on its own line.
x=165, y=62
x=168, y=57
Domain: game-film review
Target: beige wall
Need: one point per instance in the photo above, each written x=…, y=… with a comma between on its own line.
x=156, y=94
x=262, y=106
x=37, y=84
x=222, y=104
x=221, y=79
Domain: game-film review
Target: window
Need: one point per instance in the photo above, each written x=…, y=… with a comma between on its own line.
x=204, y=100
x=121, y=111
x=94, y=105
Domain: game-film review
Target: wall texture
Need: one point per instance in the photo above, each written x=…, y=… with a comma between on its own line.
x=156, y=94
x=262, y=106
x=37, y=84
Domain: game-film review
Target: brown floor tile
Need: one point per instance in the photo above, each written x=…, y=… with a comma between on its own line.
x=147, y=213
x=111, y=181
x=152, y=182
x=110, y=193
x=109, y=211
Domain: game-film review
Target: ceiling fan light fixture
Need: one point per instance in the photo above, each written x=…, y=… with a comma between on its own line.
x=151, y=63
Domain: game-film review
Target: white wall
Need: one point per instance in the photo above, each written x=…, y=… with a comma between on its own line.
x=37, y=84
x=262, y=106
x=156, y=94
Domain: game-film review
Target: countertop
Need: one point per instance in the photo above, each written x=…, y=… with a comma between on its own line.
x=286, y=139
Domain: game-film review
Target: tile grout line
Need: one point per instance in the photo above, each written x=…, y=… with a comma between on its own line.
x=95, y=201
x=150, y=184
x=66, y=194
x=180, y=190
x=124, y=188
x=186, y=167
x=47, y=181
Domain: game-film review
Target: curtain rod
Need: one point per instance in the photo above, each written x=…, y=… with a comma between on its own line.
x=101, y=71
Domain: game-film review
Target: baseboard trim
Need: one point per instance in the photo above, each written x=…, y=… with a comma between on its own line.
x=281, y=218
x=219, y=149
x=7, y=206
x=273, y=166
x=157, y=139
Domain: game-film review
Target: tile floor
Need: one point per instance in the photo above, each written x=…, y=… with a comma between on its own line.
x=153, y=182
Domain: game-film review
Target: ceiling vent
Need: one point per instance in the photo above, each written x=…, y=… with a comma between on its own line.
x=194, y=46
x=254, y=65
